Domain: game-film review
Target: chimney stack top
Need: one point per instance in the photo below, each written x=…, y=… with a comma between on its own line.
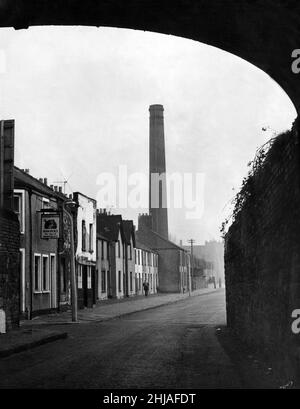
x=156, y=107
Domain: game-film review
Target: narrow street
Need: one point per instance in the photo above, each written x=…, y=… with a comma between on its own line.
x=173, y=346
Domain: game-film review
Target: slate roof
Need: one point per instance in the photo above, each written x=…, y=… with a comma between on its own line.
x=23, y=179
x=155, y=241
x=129, y=231
x=140, y=245
x=108, y=226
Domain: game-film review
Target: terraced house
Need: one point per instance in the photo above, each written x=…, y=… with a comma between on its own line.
x=146, y=268
x=85, y=255
x=129, y=271
x=44, y=268
x=110, y=229
x=115, y=256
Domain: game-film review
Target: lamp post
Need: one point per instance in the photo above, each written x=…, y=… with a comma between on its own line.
x=73, y=275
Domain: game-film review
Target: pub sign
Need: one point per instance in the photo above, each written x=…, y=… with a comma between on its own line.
x=50, y=226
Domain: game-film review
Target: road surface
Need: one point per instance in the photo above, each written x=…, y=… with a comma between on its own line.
x=173, y=346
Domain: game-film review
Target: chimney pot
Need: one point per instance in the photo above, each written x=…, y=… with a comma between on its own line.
x=45, y=181
x=60, y=189
x=41, y=180
x=55, y=188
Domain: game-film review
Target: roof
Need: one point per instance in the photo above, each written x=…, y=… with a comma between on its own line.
x=77, y=194
x=140, y=245
x=129, y=231
x=155, y=241
x=109, y=226
x=23, y=180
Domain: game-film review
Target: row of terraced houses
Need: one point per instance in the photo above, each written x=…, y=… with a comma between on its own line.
x=109, y=262
x=44, y=232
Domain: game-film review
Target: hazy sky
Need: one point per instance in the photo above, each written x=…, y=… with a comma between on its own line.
x=80, y=99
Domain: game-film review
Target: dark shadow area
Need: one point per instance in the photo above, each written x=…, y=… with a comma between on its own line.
x=256, y=371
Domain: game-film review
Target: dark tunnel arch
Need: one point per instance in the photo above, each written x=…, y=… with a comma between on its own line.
x=262, y=32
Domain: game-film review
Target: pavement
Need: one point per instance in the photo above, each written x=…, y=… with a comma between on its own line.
x=23, y=339
x=37, y=331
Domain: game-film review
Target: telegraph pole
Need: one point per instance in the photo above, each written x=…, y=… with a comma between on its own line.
x=191, y=241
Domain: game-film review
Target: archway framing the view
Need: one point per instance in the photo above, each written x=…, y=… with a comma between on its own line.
x=263, y=32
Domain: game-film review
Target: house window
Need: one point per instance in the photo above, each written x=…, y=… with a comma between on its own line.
x=91, y=238
x=119, y=249
x=130, y=280
x=37, y=273
x=79, y=276
x=119, y=281
x=130, y=251
x=103, y=281
x=83, y=236
x=89, y=278
x=102, y=250
x=19, y=208
x=52, y=265
x=46, y=203
x=107, y=250
x=45, y=274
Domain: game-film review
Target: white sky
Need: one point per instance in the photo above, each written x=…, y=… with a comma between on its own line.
x=80, y=99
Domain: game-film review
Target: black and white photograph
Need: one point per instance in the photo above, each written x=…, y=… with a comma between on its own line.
x=149, y=198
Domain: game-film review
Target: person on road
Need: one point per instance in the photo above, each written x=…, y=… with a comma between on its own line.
x=146, y=288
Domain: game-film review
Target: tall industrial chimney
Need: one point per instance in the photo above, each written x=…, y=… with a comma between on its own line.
x=157, y=165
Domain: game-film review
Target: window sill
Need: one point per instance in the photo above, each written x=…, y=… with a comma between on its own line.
x=42, y=292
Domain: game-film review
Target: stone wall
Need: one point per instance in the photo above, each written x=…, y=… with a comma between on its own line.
x=9, y=267
x=262, y=258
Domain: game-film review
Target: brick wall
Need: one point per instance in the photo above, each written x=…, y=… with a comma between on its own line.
x=9, y=267
x=262, y=258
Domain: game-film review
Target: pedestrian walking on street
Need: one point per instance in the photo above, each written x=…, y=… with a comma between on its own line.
x=146, y=288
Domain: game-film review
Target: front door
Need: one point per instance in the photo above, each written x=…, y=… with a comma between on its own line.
x=94, y=286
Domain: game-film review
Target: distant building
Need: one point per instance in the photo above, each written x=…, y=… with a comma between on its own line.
x=173, y=264
x=85, y=254
x=212, y=252
x=146, y=268
x=198, y=273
